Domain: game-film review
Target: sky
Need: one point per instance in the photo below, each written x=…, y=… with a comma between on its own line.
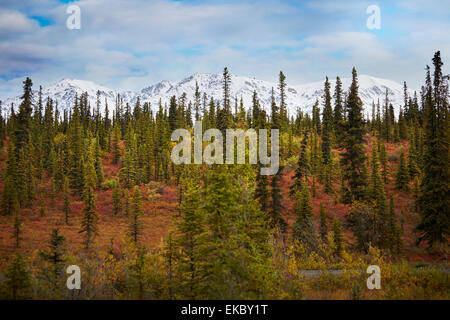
x=131, y=44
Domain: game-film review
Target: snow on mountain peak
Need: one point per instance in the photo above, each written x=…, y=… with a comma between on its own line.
x=297, y=96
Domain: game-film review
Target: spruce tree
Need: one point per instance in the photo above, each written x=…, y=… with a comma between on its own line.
x=416, y=192
x=126, y=198
x=76, y=152
x=136, y=212
x=66, y=190
x=262, y=192
x=377, y=191
x=17, y=231
x=338, y=111
x=327, y=124
x=90, y=174
x=28, y=178
x=338, y=237
x=304, y=228
x=378, y=195
x=434, y=202
x=116, y=198
x=173, y=113
x=353, y=159
x=115, y=145
x=55, y=256
x=394, y=236
x=138, y=278
x=23, y=120
x=290, y=151
x=323, y=225
x=384, y=162
x=317, y=127
x=413, y=167
x=387, y=122
x=328, y=177
x=402, y=126
x=275, y=112
x=128, y=172
x=18, y=279
x=21, y=177
x=98, y=162
x=226, y=91
x=59, y=174
x=197, y=102
x=402, y=177
x=90, y=218
x=276, y=205
x=10, y=197
x=283, y=105
x=191, y=240
x=237, y=239
x=302, y=166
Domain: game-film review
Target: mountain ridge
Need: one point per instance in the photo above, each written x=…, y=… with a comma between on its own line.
x=297, y=96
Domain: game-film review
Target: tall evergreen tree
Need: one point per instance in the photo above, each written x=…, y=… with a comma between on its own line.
x=115, y=144
x=338, y=111
x=303, y=228
x=327, y=124
x=353, y=159
x=338, y=237
x=76, y=152
x=90, y=174
x=66, y=200
x=413, y=167
x=90, y=218
x=394, y=235
x=136, y=212
x=302, y=166
x=116, y=198
x=173, y=113
x=10, y=197
x=434, y=202
x=17, y=231
x=384, y=161
x=98, y=161
x=283, y=106
x=275, y=112
x=237, y=239
x=323, y=225
x=55, y=256
x=276, y=205
x=191, y=240
x=18, y=279
x=402, y=178
x=377, y=185
x=23, y=120
x=262, y=192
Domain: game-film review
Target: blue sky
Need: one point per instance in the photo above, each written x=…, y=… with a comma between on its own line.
x=130, y=44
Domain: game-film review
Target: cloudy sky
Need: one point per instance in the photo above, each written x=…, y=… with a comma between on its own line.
x=130, y=44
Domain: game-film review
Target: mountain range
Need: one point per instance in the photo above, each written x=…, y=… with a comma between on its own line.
x=298, y=96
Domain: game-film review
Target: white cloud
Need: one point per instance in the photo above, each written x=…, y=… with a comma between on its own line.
x=129, y=44
x=12, y=22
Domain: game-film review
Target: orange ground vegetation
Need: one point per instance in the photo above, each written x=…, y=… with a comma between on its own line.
x=159, y=214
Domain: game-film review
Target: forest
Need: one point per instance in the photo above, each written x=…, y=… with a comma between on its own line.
x=99, y=190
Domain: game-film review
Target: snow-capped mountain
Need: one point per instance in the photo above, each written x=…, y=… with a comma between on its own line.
x=298, y=96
